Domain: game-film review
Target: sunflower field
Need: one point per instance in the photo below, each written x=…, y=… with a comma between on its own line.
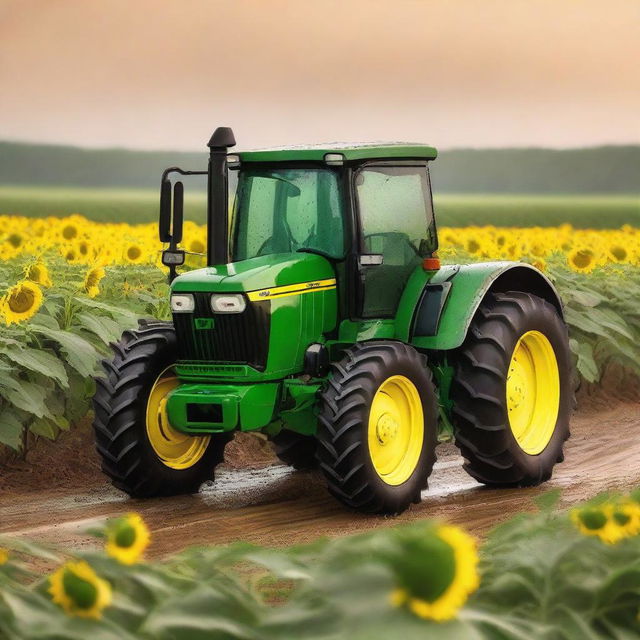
x=69, y=287
x=551, y=574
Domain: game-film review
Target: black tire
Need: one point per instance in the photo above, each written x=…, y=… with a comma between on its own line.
x=295, y=449
x=343, y=450
x=478, y=391
x=120, y=404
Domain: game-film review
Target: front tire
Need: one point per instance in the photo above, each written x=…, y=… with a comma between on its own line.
x=511, y=391
x=378, y=427
x=140, y=451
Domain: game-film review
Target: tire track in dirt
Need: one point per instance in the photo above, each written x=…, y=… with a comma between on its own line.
x=277, y=506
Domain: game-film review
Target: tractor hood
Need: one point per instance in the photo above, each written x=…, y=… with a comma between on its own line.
x=257, y=274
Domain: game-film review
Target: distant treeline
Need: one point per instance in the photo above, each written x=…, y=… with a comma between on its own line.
x=609, y=169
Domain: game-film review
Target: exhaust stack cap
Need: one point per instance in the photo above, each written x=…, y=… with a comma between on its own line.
x=222, y=138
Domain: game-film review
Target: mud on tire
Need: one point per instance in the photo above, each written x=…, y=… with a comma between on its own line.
x=120, y=404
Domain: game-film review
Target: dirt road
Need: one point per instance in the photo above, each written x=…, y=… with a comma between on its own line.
x=274, y=505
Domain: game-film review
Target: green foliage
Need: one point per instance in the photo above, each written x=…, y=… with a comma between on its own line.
x=603, y=315
x=47, y=363
x=540, y=578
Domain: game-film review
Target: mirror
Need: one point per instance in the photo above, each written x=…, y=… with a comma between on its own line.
x=164, y=226
x=178, y=212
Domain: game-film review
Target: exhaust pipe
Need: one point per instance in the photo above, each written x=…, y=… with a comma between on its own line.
x=218, y=196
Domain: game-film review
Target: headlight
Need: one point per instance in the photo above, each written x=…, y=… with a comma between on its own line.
x=228, y=303
x=182, y=303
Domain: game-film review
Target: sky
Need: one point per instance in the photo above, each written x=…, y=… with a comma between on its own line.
x=162, y=74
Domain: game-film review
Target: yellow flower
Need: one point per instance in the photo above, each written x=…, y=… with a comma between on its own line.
x=127, y=538
x=607, y=522
x=92, y=280
x=21, y=302
x=626, y=516
x=39, y=273
x=581, y=260
x=197, y=246
x=437, y=574
x=79, y=591
x=4, y=556
x=134, y=253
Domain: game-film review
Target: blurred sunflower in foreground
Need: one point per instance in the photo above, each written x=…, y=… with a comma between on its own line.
x=79, y=591
x=127, y=538
x=610, y=522
x=435, y=573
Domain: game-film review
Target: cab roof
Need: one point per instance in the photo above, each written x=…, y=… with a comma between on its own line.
x=351, y=151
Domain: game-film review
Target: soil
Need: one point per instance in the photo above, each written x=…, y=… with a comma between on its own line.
x=59, y=492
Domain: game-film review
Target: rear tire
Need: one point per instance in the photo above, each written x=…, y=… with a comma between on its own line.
x=378, y=427
x=511, y=414
x=141, y=359
x=296, y=450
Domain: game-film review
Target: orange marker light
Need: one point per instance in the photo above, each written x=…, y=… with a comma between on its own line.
x=431, y=264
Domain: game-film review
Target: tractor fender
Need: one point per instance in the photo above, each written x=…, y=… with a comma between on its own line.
x=450, y=299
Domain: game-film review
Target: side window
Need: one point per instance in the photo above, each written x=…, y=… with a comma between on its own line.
x=256, y=195
x=396, y=219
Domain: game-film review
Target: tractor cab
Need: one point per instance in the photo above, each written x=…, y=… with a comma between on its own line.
x=366, y=209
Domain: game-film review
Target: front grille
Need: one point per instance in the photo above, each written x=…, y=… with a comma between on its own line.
x=234, y=337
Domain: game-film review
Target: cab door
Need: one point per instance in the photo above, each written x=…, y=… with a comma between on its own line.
x=397, y=230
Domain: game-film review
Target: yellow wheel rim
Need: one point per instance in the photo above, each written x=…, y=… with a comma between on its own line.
x=533, y=392
x=396, y=430
x=175, y=449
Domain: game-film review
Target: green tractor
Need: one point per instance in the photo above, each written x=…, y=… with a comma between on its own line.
x=325, y=321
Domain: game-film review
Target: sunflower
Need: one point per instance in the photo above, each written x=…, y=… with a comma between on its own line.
x=133, y=253
x=626, y=516
x=618, y=253
x=21, y=302
x=4, y=556
x=127, y=538
x=197, y=246
x=91, y=281
x=69, y=231
x=437, y=573
x=39, y=273
x=581, y=260
x=79, y=591
x=599, y=521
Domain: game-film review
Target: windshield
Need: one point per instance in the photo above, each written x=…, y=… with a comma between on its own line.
x=285, y=210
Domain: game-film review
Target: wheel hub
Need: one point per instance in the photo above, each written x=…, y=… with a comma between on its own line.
x=386, y=428
x=515, y=385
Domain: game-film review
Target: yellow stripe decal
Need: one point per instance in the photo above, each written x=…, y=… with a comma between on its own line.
x=292, y=290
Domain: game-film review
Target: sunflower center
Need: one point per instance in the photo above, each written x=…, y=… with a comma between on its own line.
x=473, y=246
x=133, y=253
x=197, y=246
x=431, y=571
x=80, y=591
x=619, y=253
x=593, y=519
x=69, y=232
x=582, y=259
x=125, y=537
x=621, y=518
x=15, y=240
x=21, y=301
